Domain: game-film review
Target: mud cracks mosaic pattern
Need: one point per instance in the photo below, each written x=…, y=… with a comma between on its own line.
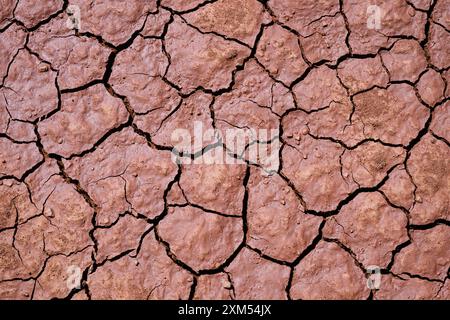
x=93, y=207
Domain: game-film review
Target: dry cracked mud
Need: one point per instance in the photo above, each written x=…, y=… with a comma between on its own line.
x=93, y=205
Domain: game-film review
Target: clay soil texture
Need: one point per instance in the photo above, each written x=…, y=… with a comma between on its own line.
x=93, y=205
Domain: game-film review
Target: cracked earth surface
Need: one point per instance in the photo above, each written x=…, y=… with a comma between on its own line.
x=87, y=180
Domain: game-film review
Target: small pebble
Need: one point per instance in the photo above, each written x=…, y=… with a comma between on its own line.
x=274, y=71
x=305, y=131
x=232, y=54
x=278, y=44
x=43, y=68
x=50, y=213
x=8, y=182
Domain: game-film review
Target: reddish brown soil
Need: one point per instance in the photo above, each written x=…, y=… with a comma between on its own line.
x=86, y=177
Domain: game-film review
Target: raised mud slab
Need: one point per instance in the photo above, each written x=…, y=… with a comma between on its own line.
x=99, y=201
